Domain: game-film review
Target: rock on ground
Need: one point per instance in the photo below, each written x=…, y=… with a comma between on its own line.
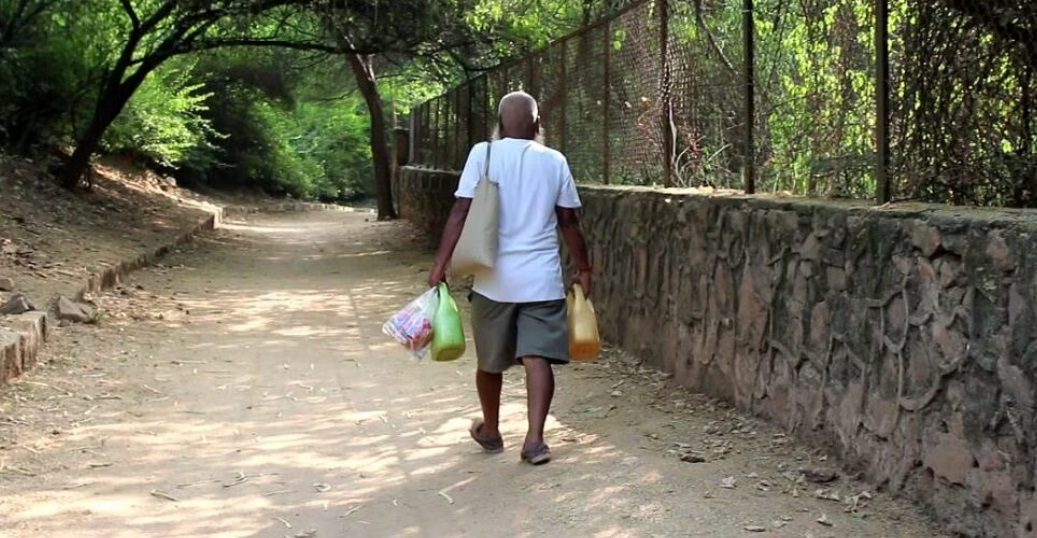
x=69, y=310
x=16, y=304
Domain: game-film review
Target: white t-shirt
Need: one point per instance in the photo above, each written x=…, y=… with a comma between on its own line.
x=533, y=180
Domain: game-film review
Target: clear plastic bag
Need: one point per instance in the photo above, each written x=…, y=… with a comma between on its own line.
x=411, y=327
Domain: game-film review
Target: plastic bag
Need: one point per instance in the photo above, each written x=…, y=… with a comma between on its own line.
x=411, y=327
x=448, y=342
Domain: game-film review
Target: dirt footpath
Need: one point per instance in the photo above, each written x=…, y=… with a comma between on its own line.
x=244, y=389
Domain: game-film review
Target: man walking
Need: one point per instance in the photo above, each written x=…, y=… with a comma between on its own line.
x=519, y=314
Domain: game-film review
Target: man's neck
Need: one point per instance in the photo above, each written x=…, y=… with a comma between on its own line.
x=517, y=137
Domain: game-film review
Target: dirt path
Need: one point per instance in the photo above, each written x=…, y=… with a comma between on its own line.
x=245, y=390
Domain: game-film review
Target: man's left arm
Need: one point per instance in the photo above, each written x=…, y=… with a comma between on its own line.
x=451, y=234
x=458, y=213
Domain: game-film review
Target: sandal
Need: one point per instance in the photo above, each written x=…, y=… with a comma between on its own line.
x=537, y=456
x=493, y=444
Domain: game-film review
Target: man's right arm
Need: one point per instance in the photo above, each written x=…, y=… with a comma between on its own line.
x=569, y=223
x=567, y=210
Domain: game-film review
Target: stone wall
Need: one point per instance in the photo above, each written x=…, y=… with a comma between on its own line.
x=425, y=197
x=904, y=339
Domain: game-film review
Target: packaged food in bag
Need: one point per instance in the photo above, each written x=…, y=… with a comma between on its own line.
x=448, y=342
x=412, y=327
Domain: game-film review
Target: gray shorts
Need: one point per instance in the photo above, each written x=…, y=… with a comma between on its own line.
x=504, y=333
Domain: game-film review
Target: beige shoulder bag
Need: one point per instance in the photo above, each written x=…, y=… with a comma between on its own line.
x=476, y=250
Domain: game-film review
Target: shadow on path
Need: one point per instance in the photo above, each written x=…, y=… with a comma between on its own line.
x=267, y=403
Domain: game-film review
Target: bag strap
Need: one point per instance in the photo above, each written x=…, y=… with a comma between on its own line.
x=486, y=166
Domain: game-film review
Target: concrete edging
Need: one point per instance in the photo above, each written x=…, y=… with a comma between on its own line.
x=289, y=207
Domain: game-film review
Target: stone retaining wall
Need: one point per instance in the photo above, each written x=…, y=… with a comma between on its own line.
x=425, y=197
x=903, y=339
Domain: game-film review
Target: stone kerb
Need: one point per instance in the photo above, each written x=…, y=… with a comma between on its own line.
x=23, y=338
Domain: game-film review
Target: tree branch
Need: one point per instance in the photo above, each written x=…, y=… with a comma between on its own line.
x=127, y=6
x=987, y=15
x=156, y=18
x=211, y=44
x=701, y=19
x=22, y=17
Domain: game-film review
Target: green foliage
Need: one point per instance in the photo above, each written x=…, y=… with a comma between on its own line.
x=44, y=76
x=164, y=121
x=281, y=111
x=334, y=139
x=310, y=151
x=245, y=118
x=275, y=129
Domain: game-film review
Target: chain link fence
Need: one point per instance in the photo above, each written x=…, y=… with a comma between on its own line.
x=883, y=99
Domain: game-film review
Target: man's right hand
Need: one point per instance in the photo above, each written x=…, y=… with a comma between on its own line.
x=583, y=278
x=436, y=276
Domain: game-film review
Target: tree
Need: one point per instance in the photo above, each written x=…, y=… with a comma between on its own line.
x=16, y=16
x=455, y=37
x=1013, y=21
x=363, y=70
x=157, y=31
x=129, y=40
x=163, y=30
x=412, y=28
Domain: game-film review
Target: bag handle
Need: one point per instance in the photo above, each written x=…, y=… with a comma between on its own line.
x=486, y=165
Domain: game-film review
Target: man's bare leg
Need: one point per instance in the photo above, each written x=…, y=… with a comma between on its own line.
x=489, y=387
x=540, y=388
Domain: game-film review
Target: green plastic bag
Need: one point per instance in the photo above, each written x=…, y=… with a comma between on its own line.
x=448, y=342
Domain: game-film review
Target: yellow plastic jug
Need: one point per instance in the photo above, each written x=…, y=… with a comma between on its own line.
x=584, y=342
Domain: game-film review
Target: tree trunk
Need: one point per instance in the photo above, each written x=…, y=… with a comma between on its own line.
x=73, y=169
x=110, y=103
x=365, y=80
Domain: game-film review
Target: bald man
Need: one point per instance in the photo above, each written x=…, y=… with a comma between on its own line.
x=519, y=315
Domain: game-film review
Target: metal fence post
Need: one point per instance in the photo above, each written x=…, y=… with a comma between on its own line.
x=666, y=104
x=748, y=69
x=883, y=188
x=489, y=119
x=421, y=145
x=606, y=151
x=434, y=131
x=530, y=77
x=415, y=131
x=456, y=160
x=471, y=113
x=444, y=129
x=563, y=87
